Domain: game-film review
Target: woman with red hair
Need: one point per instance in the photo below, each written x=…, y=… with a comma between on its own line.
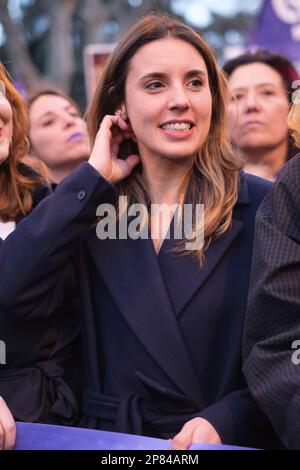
x=42, y=358
x=19, y=183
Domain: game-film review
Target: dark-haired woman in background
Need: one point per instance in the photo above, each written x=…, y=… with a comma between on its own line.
x=261, y=90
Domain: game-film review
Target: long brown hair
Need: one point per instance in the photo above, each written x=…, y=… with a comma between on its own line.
x=17, y=181
x=214, y=177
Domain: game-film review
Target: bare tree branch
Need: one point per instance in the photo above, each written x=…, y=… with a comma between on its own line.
x=61, y=63
x=94, y=13
x=21, y=65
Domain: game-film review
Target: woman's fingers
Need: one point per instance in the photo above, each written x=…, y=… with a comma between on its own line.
x=123, y=168
x=121, y=122
x=205, y=432
x=196, y=430
x=132, y=160
x=7, y=427
x=105, y=154
x=100, y=157
x=183, y=439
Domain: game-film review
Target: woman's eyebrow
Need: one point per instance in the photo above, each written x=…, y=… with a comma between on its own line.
x=157, y=75
x=259, y=85
x=49, y=113
x=161, y=75
x=196, y=72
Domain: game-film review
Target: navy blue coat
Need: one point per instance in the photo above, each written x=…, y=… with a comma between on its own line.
x=162, y=337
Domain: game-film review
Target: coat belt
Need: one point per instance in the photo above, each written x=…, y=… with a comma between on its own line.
x=163, y=411
x=34, y=392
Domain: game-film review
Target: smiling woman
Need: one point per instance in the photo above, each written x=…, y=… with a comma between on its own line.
x=151, y=99
x=152, y=92
x=162, y=326
x=19, y=185
x=6, y=123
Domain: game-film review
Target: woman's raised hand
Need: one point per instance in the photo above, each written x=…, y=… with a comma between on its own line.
x=104, y=157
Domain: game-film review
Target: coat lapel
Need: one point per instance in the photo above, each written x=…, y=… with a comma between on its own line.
x=182, y=274
x=132, y=274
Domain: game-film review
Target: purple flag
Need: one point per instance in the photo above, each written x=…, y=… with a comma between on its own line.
x=278, y=28
x=49, y=437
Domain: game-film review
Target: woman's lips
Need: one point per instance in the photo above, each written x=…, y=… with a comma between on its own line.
x=253, y=123
x=76, y=136
x=178, y=134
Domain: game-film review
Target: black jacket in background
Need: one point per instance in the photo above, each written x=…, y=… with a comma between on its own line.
x=273, y=315
x=41, y=380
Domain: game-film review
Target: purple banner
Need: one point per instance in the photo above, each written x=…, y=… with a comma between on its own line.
x=48, y=437
x=278, y=28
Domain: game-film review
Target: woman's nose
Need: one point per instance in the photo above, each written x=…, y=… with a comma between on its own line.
x=178, y=99
x=251, y=102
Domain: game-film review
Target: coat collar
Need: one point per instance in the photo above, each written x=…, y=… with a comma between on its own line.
x=243, y=196
x=184, y=276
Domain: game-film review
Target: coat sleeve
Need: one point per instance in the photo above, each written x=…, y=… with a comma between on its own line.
x=239, y=421
x=34, y=259
x=272, y=329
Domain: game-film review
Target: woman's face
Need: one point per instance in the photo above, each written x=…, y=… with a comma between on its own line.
x=6, y=124
x=57, y=132
x=168, y=100
x=259, y=108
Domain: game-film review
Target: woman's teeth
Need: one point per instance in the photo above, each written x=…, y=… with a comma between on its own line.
x=177, y=126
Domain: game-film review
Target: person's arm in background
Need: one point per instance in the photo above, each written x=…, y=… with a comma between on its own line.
x=273, y=316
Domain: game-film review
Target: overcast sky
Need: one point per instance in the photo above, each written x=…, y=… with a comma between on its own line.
x=198, y=12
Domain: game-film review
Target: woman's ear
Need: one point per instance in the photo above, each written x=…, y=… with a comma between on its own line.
x=124, y=115
x=124, y=112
